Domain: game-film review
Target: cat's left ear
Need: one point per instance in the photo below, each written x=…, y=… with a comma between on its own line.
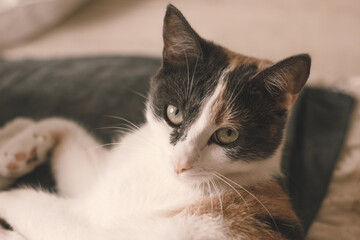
x=181, y=42
x=286, y=76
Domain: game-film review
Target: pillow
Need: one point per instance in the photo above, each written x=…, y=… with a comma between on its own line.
x=89, y=90
x=314, y=142
x=24, y=18
x=339, y=214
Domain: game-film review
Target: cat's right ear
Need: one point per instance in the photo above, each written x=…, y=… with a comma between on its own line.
x=181, y=42
x=287, y=76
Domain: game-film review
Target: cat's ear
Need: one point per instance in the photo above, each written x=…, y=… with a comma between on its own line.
x=286, y=76
x=181, y=42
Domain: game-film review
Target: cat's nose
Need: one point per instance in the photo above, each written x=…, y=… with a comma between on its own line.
x=182, y=166
x=180, y=170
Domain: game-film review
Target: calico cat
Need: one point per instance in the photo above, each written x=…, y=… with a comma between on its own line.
x=203, y=166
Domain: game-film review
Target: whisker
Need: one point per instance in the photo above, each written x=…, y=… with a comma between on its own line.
x=202, y=194
x=232, y=187
x=125, y=120
x=218, y=194
x=210, y=195
x=268, y=212
x=188, y=77
x=141, y=137
x=140, y=94
x=136, y=133
x=232, y=97
x=193, y=75
x=123, y=129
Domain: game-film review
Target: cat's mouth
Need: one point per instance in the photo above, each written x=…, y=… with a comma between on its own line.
x=206, y=182
x=195, y=176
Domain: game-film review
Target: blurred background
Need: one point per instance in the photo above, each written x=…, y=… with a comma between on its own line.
x=327, y=29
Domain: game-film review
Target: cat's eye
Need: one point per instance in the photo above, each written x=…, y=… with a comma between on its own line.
x=225, y=136
x=174, y=115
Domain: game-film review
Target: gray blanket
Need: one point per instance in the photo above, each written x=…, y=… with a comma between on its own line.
x=90, y=90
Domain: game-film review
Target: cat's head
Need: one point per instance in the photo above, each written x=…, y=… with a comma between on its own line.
x=217, y=111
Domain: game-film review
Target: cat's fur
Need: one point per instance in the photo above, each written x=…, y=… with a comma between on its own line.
x=166, y=181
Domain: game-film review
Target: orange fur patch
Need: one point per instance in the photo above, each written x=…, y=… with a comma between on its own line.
x=266, y=213
x=221, y=113
x=236, y=60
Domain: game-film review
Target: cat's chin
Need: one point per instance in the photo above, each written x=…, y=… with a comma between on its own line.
x=194, y=178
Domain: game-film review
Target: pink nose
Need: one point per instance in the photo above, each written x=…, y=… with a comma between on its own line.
x=180, y=170
x=181, y=167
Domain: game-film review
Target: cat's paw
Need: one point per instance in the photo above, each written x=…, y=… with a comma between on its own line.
x=23, y=152
x=13, y=127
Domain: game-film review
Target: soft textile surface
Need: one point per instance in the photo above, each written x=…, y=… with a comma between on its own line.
x=22, y=19
x=339, y=215
x=314, y=143
x=91, y=90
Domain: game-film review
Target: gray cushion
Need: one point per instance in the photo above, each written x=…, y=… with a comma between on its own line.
x=314, y=141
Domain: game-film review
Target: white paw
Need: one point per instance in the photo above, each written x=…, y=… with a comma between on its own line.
x=22, y=153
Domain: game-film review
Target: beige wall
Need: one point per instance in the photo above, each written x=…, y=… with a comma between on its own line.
x=327, y=29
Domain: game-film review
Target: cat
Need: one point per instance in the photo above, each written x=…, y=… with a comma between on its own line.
x=204, y=165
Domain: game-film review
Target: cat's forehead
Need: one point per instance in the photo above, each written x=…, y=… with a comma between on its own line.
x=237, y=60
x=190, y=85
x=235, y=82
x=222, y=79
x=199, y=77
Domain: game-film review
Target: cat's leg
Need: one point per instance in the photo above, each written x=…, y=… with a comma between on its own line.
x=77, y=159
x=76, y=156
x=22, y=152
x=38, y=215
x=6, y=132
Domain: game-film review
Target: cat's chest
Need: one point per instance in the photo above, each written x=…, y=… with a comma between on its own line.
x=148, y=188
x=138, y=183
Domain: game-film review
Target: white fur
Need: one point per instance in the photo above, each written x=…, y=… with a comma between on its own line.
x=124, y=193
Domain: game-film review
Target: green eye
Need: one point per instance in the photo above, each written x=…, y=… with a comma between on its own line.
x=225, y=136
x=174, y=115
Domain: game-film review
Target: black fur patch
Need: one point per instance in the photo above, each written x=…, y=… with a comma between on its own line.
x=186, y=86
x=261, y=117
x=5, y=225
